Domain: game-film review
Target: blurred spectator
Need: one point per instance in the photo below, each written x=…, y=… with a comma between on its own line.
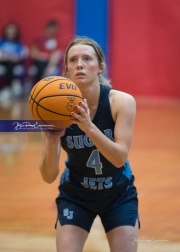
x=13, y=55
x=45, y=53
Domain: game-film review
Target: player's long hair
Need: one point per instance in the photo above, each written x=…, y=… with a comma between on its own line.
x=99, y=53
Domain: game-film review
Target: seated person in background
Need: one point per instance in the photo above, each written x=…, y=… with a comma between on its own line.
x=45, y=53
x=13, y=55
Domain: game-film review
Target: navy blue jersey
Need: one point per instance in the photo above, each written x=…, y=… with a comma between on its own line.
x=88, y=174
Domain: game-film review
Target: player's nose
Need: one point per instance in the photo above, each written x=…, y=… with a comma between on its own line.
x=79, y=63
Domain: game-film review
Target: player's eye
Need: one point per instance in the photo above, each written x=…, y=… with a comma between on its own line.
x=87, y=59
x=72, y=60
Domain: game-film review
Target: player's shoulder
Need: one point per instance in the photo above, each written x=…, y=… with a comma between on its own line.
x=121, y=98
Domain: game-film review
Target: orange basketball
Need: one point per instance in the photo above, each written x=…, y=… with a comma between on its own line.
x=53, y=99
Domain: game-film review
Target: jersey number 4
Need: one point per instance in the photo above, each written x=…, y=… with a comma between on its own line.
x=94, y=162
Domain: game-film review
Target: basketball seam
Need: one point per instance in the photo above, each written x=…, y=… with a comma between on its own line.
x=59, y=95
x=38, y=105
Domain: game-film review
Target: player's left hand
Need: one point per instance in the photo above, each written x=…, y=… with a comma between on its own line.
x=82, y=119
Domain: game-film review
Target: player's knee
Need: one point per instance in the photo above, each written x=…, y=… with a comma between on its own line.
x=70, y=238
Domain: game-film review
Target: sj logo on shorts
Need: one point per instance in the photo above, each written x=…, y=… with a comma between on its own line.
x=67, y=213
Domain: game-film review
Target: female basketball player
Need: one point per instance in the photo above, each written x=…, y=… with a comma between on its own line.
x=97, y=179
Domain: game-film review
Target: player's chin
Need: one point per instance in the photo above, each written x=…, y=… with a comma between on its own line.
x=80, y=77
x=80, y=81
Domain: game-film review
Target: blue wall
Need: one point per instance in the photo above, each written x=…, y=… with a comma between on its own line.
x=92, y=21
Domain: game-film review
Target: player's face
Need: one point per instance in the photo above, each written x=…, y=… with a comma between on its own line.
x=82, y=64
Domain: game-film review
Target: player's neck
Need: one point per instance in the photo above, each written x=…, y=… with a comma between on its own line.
x=91, y=94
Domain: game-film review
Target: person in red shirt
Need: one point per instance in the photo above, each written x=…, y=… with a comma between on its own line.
x=46, y=53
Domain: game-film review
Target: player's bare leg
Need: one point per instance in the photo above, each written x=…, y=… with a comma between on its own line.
x=123, y=238
x=70, y=238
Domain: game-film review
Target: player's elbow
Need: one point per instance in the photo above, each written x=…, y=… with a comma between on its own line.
x=48, y=180
x=120, y=161
x=49, y=177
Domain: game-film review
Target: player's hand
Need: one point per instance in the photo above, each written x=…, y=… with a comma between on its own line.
x=53, y=135
x=82, y=119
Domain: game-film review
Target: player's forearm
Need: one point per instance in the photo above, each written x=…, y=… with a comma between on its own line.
x=49, y=165
x=112, y=151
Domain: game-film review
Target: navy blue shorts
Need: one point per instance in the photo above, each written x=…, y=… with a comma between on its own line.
x=120, y=210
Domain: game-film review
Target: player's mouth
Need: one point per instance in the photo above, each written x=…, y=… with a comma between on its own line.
x=80, y=74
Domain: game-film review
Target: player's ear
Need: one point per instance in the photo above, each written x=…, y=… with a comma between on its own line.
x=100, y=71
x=66, y=69
x=67, y=72
x=101, y=68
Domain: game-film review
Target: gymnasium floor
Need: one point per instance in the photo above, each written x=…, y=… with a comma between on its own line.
x=27, y=208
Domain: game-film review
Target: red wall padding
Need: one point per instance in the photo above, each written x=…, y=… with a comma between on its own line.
x=145, y=47
x=144, y=39
x=32, y=15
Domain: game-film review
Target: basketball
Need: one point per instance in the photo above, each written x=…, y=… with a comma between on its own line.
x=52, y=100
